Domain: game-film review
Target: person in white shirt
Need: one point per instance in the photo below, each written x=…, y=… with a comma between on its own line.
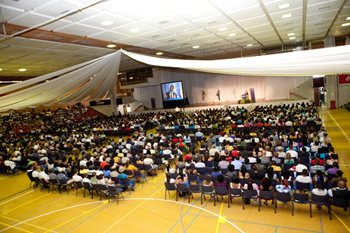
x=304, y=177
x=76, y=177
x=300, y=167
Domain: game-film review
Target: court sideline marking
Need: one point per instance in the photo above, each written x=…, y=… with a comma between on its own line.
x=219, y=219
x=16, y=197
x=29, y=224
x=130, y=212
x=342, y=222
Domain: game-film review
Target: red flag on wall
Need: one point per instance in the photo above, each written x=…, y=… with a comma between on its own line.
x=344, y=78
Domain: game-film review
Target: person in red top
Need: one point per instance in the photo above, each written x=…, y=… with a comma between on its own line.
x=103, y=164
x=235, y=153
x=188, y=157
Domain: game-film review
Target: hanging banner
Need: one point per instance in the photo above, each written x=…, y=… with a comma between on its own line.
x=344, y=78
x=252, y=95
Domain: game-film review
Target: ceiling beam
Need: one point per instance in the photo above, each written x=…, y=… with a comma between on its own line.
x=263, y=8
x=335, y=18
x=304, y=22
x=50, y=21
x=234, y=22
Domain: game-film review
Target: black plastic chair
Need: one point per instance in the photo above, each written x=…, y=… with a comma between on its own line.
x=181, y=188
x=343, y=202
x=31, y=179
x=78, y=185
x=232, y=194
x=220, y=191
x=114, y=191
x=103, y=189
x=300, y=198
x=321, y=201
x=249, y=194
x=169, y=187
x=87, y=186
x=283, y=197
x=265, y=195
x=193, y=188
x=302, y=187
x=207, y=190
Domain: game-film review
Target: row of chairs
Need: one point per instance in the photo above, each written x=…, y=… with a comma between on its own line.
x=294, y=198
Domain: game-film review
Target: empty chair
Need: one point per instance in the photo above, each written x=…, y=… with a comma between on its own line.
x=283, y=197
x=95, y=188
x=265, y=195
x=114, y=191
x=54, y=184
x=169, y=187
x=321, y=201
x=232, y=193
x=340, y=199
x=301, y=198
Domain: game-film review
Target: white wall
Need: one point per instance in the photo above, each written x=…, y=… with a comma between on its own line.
x=231, y=87
x=305, y=90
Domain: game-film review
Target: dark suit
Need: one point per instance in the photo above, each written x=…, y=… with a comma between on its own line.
x=168, y=95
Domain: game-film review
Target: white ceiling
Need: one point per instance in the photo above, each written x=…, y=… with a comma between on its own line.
x=217, y=26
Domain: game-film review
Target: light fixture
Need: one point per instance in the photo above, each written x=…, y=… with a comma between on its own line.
x=134, y=30
x=283, y=6
x=318, y=76
x=249, y=45
x=195, y=46
x=159, y=53
x=291, y=34
x=223, y=29
x=232, y=34
x=348, y=18
x=286, y=16
x=111, y=46
x=22, y=69
x=0, y=69
x=106, y=23
x=345, y=24
x=131, y=78
x=292, y=38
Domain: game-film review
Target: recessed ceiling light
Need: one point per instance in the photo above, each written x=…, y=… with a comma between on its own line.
x=283, y=6
x=111, y=46
x=232, y=34
x=291, y=34
x=159, y=53
x=223, y=29
x=0, y=69
x=22, y=69
x=195, y=46
x=348, y=18
x=286, y=16
x=134, y=30
x=106, y=23
x=249, y=45
x=345, y=24
x=292, y=38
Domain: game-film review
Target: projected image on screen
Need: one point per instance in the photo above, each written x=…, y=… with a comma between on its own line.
x=172, y=91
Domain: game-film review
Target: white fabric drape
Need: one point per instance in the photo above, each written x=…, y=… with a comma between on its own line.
x=87, y=81
x=324, y=61
x=96, y=79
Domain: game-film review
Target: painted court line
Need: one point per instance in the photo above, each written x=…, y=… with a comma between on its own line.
x=17, y=228
x=194, y=206
x=25, y=203
x=341, y=221
x=14, y=198
x=49, y=213
x=29, y=224
x=339, y=127
x=130, y=212
x=218, y=221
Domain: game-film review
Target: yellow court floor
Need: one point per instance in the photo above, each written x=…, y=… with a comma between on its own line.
x=145, y=210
